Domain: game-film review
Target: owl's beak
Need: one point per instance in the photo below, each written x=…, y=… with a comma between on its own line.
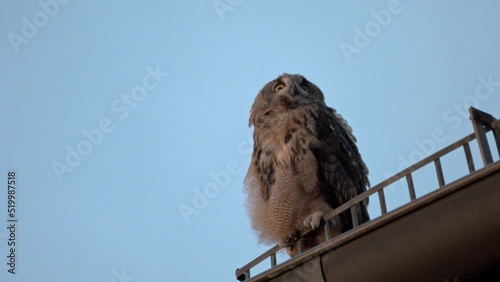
x=293, y=89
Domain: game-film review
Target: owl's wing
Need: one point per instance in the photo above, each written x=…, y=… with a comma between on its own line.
x=341, y=168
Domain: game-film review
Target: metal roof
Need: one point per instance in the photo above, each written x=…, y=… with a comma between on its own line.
x=451, y=233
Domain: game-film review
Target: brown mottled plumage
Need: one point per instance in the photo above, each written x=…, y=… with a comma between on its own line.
x=305, y=163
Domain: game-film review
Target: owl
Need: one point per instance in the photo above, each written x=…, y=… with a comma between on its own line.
x=304, y=164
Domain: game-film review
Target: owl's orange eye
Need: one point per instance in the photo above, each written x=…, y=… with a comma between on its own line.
x=278, y=86
x=306, y=87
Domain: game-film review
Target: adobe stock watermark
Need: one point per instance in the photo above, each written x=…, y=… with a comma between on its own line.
x=224, y=6
x=121, y=276
x=31, y=26
x=121, y=108
x=218, y=180
x=371, y=29
x=455, y=115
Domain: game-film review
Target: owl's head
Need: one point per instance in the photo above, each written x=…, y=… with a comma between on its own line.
x=285, y=93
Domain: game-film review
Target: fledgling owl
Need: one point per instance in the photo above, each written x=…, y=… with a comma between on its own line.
x=305, y=163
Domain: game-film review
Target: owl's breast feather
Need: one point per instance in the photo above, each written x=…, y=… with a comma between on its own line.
x=284, y=135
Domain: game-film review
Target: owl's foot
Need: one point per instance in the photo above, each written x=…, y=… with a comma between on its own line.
x=290, y=240
x=315, y=219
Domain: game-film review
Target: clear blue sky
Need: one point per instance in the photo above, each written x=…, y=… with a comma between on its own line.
x=71, y=67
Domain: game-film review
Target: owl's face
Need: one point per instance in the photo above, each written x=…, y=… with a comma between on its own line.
x=286, y=92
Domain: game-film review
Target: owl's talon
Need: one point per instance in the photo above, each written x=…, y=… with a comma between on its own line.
x=290, y=240
x=314, y=220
